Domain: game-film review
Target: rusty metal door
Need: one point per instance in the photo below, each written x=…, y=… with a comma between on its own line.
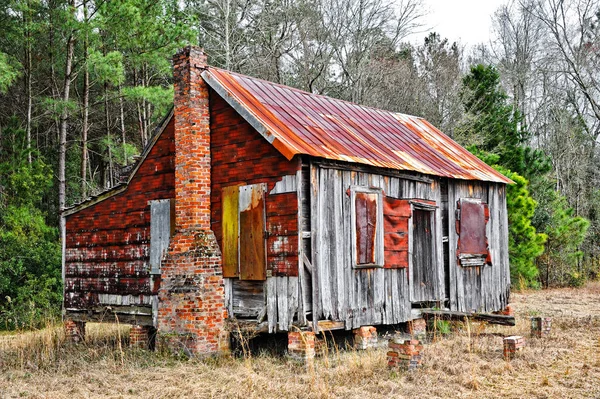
x=252, y=246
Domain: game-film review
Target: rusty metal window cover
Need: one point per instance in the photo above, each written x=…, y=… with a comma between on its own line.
x=472, y=216
x=367, y=226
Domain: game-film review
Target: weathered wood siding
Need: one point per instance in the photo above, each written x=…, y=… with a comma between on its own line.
x=108, y=244
x=241, y=156
x=340, y=291
x=484, y=288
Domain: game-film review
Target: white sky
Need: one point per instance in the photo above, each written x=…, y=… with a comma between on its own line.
x=466, y=21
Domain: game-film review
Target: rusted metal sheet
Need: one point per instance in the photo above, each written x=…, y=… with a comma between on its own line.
x=298, y=122
x=471, y=228
x=253, y=264
x=230, y=226
x=396, y=213
x=366, y=227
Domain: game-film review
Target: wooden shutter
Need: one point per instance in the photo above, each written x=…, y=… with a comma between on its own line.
x=253, y=265
x=472, y=244
x=161, y=223
x=366, y=227
x=396, y=214
x=230, y=228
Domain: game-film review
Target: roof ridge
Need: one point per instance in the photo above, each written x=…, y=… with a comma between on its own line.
x=304, y=92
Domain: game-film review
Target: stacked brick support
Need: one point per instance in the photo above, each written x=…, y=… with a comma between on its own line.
x=541, y=326
x=301, y=346
x=404, y=354
x=512, y=345
x=192, y=296
x=141, y=337
x=417, y=328
x=365, y=338
x=74, y=331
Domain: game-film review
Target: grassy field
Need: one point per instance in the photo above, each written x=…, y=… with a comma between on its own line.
x=466, y=364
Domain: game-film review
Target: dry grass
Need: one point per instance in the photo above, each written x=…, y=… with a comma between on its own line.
x=468, y=364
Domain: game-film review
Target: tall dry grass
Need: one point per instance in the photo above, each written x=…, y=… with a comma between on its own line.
x=465, y=363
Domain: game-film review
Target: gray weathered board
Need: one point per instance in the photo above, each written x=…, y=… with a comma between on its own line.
x=485, y=288
x=360, y=296
x=328, y=287
x=160, y=232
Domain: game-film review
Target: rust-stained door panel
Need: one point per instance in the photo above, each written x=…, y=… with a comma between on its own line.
x=230, y=209
x=253, y=265
x=366, y=227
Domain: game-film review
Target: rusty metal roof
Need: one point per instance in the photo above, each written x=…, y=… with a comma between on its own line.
x=298, y=122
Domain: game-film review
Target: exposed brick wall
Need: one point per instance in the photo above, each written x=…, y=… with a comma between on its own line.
x=192, y=296
x=240, y=155
x=107, y=244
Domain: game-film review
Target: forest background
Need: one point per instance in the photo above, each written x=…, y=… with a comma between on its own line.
x=84, y=83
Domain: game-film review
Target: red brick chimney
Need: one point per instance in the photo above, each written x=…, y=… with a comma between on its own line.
x=191, y=310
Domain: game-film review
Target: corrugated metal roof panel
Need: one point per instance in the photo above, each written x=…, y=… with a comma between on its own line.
x=298, y=122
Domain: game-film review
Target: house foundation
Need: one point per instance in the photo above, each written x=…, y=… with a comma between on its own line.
x=404, y=355
x=301, y=346
x=141, y=337
x=512, y=345
x=541, y=326
x=417, y=329
x=74, y=331
x=365, y=337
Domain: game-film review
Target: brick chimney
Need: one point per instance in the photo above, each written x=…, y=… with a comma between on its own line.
x=191, y=310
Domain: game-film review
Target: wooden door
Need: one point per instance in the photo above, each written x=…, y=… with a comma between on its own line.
x=252, y=246
x=423, y=271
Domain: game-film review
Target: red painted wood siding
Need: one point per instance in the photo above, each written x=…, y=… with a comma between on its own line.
x=240, y=155
x=108, y=244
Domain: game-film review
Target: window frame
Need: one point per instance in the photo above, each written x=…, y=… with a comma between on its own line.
x=379, y=228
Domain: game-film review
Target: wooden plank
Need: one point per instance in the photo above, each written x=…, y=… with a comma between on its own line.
x=453, y=315
x=323, y=240
x=337, y=260
x=230, y=226
x=247, y=298
x=329, y=325
x=160, y=232
x=314, y=218
x=287, y=184
x=271, y=287
x=282, y=302
x=347, y=277
x=293, y=300
x=300, y=281
x=253, y=263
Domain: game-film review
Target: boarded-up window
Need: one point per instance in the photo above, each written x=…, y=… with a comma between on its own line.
x=161, y=228
x=473, y=215
x=243, y=223
x=367, y=226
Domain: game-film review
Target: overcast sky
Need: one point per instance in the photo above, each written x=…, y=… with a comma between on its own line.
x=467, y=21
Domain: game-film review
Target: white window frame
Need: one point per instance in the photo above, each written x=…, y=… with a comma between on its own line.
x=379, y=255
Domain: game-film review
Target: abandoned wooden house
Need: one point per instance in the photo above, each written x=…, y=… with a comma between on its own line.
x=277, y=208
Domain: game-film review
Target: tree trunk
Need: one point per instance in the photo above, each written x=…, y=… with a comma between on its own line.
x=28, y=77
x=109, y=181
x=123, y=136
x=86, y=102
x=64, y=119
